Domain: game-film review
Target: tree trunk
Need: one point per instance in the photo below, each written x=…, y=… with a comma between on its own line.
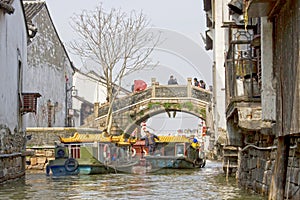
x=278, y=181
x=110, y=98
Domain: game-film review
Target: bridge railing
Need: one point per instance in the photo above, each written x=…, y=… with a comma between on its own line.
x=170, y=91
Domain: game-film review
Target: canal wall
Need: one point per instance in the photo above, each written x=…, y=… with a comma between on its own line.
x=12, y=154
x=41, y=143
x=257, y=165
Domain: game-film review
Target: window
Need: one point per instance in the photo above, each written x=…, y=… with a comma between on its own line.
x=28, y=102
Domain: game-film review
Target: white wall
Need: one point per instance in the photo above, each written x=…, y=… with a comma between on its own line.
x=13, y=48
x=89, y=88
x=48, y=64
x=268, y=93
x=221, y=15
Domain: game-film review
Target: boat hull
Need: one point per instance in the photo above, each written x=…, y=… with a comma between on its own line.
x=106, y=169
x=93, y=169
x=59, y=167
x=62, y=167
x=155, y=163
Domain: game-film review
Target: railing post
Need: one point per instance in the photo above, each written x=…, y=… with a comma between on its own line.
x=153, y=84
x=189, y=87
x=96, y=109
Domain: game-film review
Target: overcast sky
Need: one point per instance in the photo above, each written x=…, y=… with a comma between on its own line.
x=181, y=22
x=182, y=54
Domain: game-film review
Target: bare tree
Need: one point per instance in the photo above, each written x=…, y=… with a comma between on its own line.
x=117, y=42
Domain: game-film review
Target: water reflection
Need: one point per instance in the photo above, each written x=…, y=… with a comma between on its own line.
x=205, y=183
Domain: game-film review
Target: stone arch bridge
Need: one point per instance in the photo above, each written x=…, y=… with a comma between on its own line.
x=131, y=110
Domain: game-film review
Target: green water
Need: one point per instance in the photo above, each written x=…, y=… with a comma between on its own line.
x=205, y=183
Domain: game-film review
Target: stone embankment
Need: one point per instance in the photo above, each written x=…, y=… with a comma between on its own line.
x=257, y=165
x=40, y=158
x=12, y=154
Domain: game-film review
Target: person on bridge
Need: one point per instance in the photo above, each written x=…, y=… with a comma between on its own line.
x=202, y=84
x=196, y=83
x=150, y=142
x=172, y=81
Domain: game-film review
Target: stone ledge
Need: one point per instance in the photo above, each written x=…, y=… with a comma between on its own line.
x=10, y=155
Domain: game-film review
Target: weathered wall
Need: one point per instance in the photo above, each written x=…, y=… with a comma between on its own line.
x=268, y=92
x=13, y=49
x=11, y=166
x=257, y=166
x=13, y=57
x=48, y=64
x=287, y=68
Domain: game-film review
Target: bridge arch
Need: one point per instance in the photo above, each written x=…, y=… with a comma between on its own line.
x=144, y=116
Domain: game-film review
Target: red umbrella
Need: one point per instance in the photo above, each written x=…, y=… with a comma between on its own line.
x=139, y=85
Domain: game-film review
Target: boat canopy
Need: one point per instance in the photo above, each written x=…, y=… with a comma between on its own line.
x=171, y=138
x=120, y=140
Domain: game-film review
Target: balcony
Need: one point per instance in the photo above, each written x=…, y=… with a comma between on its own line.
x=28, y=102
x=242, y=72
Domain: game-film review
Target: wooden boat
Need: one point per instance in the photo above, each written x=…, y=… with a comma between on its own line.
x=172, y=152
x=92, y=154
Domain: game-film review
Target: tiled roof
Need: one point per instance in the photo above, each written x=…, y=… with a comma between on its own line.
x=6, y=6
x=165, y=139
x=32, y=8
x=6, y=1
x=173, y=139
x=81, y=138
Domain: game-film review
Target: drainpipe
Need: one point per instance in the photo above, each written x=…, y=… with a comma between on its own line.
x=66, y=103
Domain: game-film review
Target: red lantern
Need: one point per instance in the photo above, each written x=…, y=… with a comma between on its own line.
x=204, y=129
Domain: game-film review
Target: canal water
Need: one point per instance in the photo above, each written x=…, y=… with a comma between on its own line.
x=205, y=183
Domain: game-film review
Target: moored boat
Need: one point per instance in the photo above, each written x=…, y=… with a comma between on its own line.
x=62, y=165
x=172, y=152
x=92, y=154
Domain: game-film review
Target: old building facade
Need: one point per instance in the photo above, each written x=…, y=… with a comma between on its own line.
x=262, y=94
x=216, y=15
x=13, y=56
x=49, y=70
